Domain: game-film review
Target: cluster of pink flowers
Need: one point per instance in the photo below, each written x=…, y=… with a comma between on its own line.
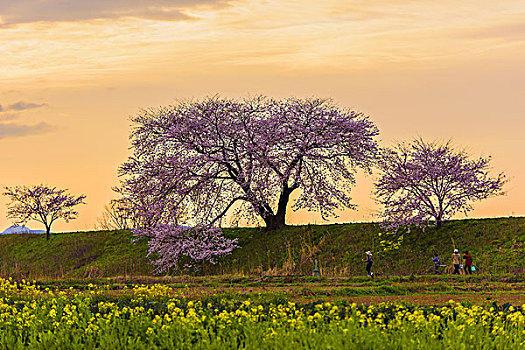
x=171, y=242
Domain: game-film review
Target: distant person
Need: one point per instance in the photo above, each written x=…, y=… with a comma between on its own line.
x=456, y=261
x=437, y=263
x=468, y=262
x=368, y=260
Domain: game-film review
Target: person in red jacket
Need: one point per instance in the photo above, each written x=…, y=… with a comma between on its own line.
x=468, y=263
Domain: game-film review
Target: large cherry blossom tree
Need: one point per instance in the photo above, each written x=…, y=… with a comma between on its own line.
x=425, y=183
x=210, y=156
x=41, y=203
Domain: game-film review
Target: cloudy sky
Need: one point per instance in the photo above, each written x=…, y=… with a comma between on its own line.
x=73, y=72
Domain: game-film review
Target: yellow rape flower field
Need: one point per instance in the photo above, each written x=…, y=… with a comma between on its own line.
x=159, y=317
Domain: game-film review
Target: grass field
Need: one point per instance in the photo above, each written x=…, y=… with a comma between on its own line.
x=422, y=290
x=497, y=246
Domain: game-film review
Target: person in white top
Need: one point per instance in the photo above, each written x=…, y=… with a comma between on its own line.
x=368, y=260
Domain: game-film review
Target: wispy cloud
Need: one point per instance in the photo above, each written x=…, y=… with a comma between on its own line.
x=28, y=11
x=17, y=130
x=12, y=112
x=8, y=116
x=292, y=35
x=510, y=30
x=21, y=106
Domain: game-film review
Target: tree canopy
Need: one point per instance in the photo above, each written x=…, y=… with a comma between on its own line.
x=41, y=203
x=424, y=183
x=211, y=155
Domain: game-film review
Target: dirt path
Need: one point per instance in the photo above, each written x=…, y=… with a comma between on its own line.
x=514, y=298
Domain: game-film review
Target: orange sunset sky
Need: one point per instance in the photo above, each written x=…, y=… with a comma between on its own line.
x=73, y=72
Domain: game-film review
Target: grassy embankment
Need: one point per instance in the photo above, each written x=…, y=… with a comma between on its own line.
x=497, y=246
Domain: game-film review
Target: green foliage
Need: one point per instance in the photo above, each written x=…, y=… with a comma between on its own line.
x=496, y=245
x=339, y=249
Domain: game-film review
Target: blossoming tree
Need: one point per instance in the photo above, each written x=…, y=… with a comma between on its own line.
x=41, y=203
x=210, y=157
x=212, y=154
x=425, y=183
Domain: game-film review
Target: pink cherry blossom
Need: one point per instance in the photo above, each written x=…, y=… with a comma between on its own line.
x=425, y=183
x=41, y=203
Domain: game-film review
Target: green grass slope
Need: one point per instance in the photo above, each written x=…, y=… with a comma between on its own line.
x=80, y=254
x=497, y=246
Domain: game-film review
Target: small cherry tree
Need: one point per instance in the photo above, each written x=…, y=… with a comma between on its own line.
x=41, y=203
x=424, y=183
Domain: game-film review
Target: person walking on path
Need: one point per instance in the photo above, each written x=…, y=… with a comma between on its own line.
x=467, y=265
x=456, y=261
x=437, y=263
x=368, y=260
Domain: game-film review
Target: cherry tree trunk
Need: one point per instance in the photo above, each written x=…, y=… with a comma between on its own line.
x=277, y=220
x=274, y=222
